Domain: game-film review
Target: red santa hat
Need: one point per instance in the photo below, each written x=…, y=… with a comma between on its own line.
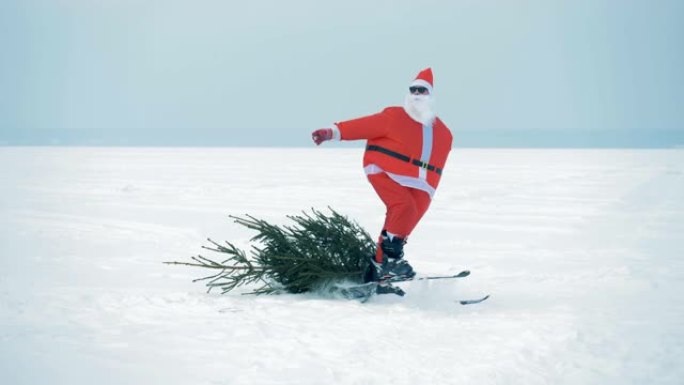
x=424, y=79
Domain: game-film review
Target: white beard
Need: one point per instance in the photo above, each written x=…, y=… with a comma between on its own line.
x=420, y=108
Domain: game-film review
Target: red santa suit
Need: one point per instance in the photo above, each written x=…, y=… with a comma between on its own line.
x=404, y=158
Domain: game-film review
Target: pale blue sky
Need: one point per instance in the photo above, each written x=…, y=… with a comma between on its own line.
x=267, y=72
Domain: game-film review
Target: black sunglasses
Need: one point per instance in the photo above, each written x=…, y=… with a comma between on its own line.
x=418, y=90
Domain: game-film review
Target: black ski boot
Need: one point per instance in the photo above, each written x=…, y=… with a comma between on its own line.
x=393, y=265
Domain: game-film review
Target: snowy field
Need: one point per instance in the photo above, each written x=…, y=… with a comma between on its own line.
x=581, y=250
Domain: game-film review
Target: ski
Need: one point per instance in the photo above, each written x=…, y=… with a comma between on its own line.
x=363, y=292
x=473, y=301
x=462, y=274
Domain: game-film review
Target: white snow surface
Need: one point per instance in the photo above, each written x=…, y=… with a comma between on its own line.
x=581, y=250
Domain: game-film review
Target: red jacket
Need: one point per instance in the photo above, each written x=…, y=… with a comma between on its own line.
x=395, y=130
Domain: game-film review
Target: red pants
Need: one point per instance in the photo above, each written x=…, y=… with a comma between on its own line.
x=405, y=205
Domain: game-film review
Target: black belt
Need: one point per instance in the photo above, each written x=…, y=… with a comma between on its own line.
x=405, y=158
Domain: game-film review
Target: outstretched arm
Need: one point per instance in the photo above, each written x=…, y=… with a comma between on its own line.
x=367, y=127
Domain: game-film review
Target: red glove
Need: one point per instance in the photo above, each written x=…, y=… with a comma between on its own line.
x=321, y=135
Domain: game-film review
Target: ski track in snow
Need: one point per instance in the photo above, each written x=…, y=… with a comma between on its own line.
x=581, y=251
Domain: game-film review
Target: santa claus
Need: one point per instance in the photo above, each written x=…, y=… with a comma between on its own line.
x=407, y=148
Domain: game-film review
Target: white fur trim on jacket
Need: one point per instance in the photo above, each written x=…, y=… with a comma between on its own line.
x=406, y=181
x=336, y=133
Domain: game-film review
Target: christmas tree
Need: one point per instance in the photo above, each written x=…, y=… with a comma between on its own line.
x=313, y=252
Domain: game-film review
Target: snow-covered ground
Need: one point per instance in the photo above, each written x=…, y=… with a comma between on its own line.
x=581, y=250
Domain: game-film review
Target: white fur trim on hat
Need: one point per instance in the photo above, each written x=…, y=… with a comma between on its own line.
x=422, y=83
